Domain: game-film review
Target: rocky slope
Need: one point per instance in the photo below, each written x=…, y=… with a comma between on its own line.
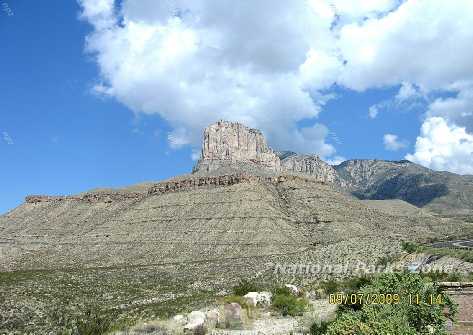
x=442, y=192
x=270, y=205
x=230, y=148
x=214, y=219
x=310, y=165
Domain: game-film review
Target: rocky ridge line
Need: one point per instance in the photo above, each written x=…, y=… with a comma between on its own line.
x=168, y=187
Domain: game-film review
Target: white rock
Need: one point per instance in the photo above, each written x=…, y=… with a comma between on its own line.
x=258, y=298
x=180, y=319
x=233, y=315
x=293, y=288
x=196, y=320
x=213, y=315
x=251, y=298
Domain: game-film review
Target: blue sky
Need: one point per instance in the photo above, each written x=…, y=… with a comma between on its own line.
x=69, y=122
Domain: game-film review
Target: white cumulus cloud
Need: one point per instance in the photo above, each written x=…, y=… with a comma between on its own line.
x=271, y=64
x=196, y=62
x=443, y=146
x=423, y=42
x=407, y=91
x=393, y=143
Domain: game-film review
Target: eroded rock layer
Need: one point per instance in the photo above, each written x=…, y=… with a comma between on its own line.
x=288, y=218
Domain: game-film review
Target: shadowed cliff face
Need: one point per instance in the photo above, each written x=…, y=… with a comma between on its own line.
x=416, y=189
x=442, y=192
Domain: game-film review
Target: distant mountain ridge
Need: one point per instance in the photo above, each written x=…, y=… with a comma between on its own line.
x=442, y=192
x=230, y=145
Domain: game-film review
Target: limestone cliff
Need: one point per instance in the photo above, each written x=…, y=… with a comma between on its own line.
x=228, y=142
x=228, y=146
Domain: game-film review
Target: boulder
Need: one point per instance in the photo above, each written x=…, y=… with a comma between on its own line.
x=258, y=298
x=264, y=298
x=233, y=315
x=180, y=319
x=251, y=298
x=196, y=319
x=213, y=316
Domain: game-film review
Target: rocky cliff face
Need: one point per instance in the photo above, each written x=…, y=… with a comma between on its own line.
x=227, y=142
x=228, y=145
x=310, y=165
x=232, y=148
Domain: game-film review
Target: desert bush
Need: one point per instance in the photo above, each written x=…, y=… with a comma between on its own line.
x=330, y=286
x=435, y=276
x=289, y=304
x=244, y=286
x=400, y=318
x=234, y=298
x=94, y=323
x=200, y=331
x=319, y=328
x=356, y=283
x=151, y=329
x=281, y=290
x=409, y=247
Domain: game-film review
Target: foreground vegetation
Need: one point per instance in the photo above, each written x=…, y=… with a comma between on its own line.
x=93, y=301
x=419, y=316
x=101, y=301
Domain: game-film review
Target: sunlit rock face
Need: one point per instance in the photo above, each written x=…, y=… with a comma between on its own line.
x=310, y=165
x=227, y=142
x=229, y=146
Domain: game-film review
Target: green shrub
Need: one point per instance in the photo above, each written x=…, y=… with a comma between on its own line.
x=92, y=321
x=319, y=328
x=245, y=286
x=330, y=286
x=454, y=276
x=404, y=317
x=282, y=290
x=409, y=247
x=289, y=304
x=356, y=283
x=435, y=276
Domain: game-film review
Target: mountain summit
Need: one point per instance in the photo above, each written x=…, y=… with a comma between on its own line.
x=243, y=212
x=229, y=147
x=232, y=148
x=225, y=143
